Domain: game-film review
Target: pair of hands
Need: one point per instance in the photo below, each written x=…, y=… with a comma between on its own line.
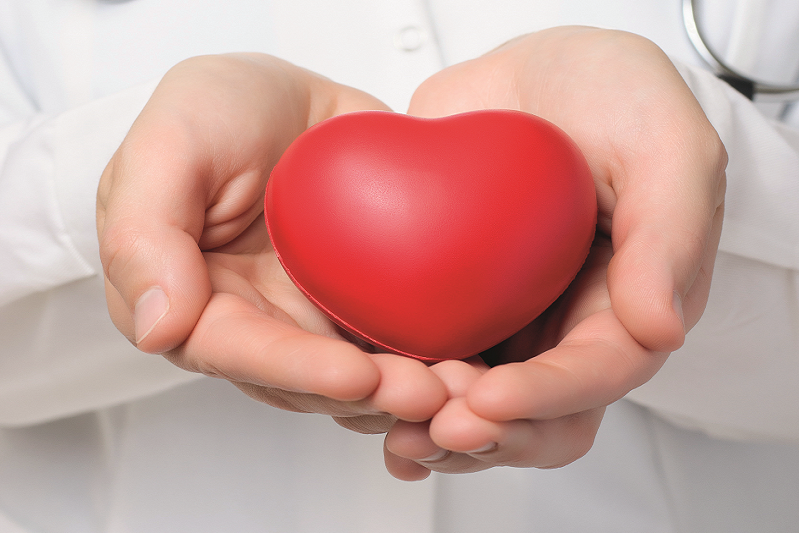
x=190, y=272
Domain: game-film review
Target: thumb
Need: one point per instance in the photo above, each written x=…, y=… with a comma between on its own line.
x=195, y=164
x=666, y=231
x=157, y=282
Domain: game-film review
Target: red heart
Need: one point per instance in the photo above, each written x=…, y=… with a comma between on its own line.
x=434, y=238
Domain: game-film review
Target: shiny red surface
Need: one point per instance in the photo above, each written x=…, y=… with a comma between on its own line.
x=435, y=238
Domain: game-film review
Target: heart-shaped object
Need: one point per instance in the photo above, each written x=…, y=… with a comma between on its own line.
x=434, y=238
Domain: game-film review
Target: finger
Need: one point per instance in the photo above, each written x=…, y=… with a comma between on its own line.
x=235, y=340
x=404, y=469
x=457, y=428
x=446, y=443
x=343, y=413
x=597, y=363
x=409, y=451
x=518, y=443
x=458, y=376
x=411, y=440
x=408, y=389
x=400, y=467
x=356, y=416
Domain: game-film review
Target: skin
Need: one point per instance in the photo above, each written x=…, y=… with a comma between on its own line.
x=179, y=209
x=658, y=167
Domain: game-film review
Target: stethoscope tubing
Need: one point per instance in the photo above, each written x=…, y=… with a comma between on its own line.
x=781, y=92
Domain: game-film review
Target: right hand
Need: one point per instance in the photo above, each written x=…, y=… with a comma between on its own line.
x=659, y=172
x=190, y=271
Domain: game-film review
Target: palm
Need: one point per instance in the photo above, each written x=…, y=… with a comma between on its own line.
x=250, y=288
x=586, y=295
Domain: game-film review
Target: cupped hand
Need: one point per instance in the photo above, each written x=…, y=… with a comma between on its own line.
x=658, y=167
x=190, y=271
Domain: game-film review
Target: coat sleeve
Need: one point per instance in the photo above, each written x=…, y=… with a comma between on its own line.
x=736, y=375
x=60, y=353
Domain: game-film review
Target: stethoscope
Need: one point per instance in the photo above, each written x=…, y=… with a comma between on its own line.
x=744, y=84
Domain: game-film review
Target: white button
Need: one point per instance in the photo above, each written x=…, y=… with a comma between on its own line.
x=409, y=38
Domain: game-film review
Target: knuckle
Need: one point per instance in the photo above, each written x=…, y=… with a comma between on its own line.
x=118, y=246
x=207, y=368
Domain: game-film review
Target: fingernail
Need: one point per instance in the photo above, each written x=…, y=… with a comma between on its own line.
x=483, y=449
x=438, y=456
x=677, y=304
x=148, y=312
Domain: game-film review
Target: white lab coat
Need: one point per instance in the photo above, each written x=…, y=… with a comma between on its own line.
x=97, y=437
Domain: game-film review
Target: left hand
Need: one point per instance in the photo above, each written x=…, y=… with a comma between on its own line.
x=658, y=167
